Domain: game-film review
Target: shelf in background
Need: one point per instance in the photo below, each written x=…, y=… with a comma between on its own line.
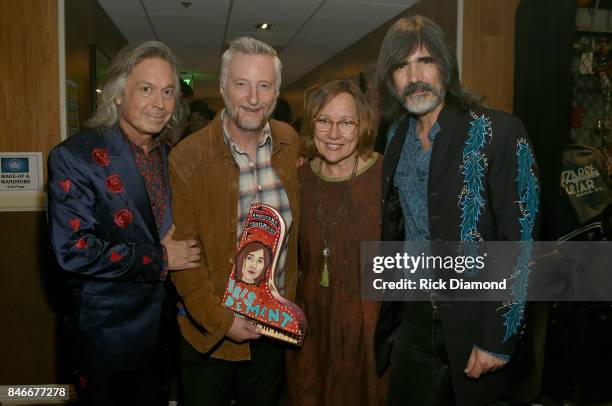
x=604, y=4
x=593, y=32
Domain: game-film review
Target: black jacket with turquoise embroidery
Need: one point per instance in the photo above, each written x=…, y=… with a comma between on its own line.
x=482, y=186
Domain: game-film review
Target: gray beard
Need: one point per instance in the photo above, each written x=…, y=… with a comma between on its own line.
x=233, y=115
x=424, y=106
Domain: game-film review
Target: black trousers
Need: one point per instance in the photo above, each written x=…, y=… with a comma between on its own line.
x=97, y=383
x=419, y=372
x=148, y=385
x=212, y=381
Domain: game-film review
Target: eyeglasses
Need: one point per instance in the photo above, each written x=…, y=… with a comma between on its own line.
x=346, y=127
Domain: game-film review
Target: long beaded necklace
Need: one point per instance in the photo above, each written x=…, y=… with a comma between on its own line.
x=340, y=214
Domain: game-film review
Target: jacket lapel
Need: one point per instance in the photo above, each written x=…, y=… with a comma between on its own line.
x=450, y=140
x=287, y=174
x=393, y=153
x=122, y=163
x=168, y=214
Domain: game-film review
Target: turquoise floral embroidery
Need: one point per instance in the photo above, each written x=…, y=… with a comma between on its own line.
x=471, y=200
x=527, y=185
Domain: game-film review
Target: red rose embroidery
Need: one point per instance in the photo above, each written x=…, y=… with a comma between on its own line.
x=115, y=256
x=81, y=244
x=100, y=155
x=65, y=184
x=123, y=218
x=146, y=260
x=75, y=223
x=114, y=184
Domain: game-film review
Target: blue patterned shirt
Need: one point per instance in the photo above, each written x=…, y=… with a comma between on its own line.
x=411, y=178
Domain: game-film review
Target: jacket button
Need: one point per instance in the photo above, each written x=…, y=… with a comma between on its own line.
x=383, y=201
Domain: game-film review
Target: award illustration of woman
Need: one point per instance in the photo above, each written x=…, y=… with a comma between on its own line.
x=251, y=289
x=252, y=262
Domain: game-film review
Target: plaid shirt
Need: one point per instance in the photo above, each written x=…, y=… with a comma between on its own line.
x=259, y=184
x=151, y=168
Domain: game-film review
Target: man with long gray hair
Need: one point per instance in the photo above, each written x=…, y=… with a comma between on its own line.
x=239, y=158
x=453, y=171
x=111, y=229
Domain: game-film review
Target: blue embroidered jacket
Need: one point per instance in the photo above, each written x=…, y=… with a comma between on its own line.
x=107, y=244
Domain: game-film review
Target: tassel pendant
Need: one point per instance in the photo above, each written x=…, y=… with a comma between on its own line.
x=325, y=271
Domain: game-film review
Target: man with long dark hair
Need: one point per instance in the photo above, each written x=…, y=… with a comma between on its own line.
x=445, y=353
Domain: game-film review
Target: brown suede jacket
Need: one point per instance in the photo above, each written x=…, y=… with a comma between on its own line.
x=204, y=179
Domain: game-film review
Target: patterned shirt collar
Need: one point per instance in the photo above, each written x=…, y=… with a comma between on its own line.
x=412, y=129
x=155, y=143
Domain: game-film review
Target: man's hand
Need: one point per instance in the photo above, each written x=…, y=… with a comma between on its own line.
x=182, y=254
x=481, y=362
x=242, y=330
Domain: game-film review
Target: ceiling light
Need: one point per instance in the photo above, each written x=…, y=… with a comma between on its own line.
x=263, y=27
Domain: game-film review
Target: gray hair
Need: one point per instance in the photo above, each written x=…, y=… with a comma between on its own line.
x=107, y=113
x=249, y=46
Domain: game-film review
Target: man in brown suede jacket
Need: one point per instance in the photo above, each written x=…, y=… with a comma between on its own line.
x=240, y=158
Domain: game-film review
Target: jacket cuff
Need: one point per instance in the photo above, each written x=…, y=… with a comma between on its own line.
x=225, y=323
x=148, y=262
x=503, y=357
x=164, y=272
